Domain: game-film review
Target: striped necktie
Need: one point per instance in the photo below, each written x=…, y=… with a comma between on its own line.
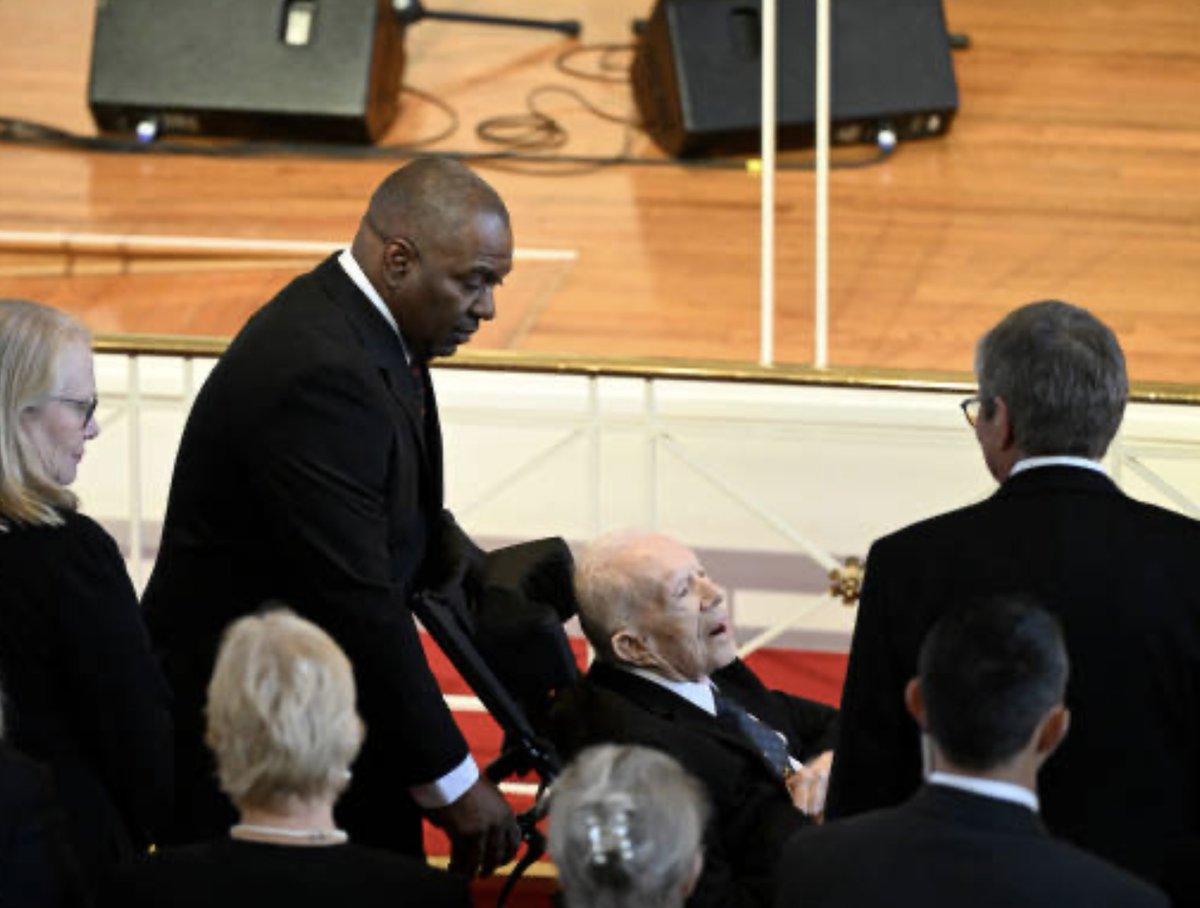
x=770, y=743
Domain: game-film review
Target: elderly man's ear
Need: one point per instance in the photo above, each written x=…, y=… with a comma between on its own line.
x=630, y=648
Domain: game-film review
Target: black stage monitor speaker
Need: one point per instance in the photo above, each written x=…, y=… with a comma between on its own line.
x=697, y=69
x=303, y=69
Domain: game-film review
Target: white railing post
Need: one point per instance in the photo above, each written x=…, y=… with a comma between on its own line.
x=650, y=404
x=821, y=219
x=770, y=52
x=134, y=405
x=594, y=453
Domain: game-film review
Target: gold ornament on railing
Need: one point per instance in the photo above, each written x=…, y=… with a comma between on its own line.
x=847, y=580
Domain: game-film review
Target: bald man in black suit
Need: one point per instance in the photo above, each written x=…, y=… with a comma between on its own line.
x=310, y=472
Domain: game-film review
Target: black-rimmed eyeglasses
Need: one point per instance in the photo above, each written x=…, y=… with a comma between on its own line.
x=970, y=408
x=86, y=407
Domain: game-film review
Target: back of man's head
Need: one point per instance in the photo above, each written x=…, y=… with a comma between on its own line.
x=988, y=674
x=1061, y=373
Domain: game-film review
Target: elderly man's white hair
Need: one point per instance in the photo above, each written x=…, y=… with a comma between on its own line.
x=611, y=578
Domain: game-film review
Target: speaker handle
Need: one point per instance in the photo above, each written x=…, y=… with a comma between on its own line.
x=410, y=11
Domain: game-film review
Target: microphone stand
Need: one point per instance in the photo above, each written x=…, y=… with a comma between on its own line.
x=410, y=11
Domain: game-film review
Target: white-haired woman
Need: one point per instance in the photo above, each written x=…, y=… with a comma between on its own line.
x=84, y=695
x=284, y=730
x=626, y=829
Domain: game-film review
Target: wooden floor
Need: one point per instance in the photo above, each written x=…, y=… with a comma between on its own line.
x=1073, y=170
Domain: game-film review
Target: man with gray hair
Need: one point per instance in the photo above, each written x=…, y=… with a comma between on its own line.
x=1119, y=574
x=667, y=676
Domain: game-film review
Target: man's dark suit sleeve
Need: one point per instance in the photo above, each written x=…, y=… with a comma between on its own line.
x=325, y=464
x=877, y=759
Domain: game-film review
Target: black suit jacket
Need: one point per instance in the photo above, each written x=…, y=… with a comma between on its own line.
x=38, y=868
x=308, y=473
x=229, y=873
x=946, y=847
x=1121, y=576
x=82, y=692
x=752, y=811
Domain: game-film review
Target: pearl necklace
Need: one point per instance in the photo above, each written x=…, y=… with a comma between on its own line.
x=259, y=832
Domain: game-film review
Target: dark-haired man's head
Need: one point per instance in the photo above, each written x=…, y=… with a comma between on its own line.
x=989, y=690
x=1052, y=382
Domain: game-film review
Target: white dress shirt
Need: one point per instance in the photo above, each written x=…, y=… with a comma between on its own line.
x=1059, y=460
x=698, y=693
x=354, y=271
x=989, y=788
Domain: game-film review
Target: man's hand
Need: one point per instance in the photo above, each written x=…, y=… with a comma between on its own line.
x=808, y=785
x=483, y=831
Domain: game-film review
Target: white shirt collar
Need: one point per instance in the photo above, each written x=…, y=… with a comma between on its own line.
x=698, y=693
x=988, y=788
x=362, y=282
x=1031, y=463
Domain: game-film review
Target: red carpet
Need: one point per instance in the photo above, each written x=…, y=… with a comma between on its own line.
x=529, y=892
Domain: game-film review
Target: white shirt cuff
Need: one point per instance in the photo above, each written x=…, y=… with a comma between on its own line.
x=449, y=788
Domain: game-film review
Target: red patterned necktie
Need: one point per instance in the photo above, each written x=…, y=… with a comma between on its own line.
x=418, y=374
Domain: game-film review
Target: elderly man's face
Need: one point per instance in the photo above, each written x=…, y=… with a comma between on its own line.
x=681, y=629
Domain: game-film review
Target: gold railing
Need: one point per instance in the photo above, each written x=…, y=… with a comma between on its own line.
x=660, y=369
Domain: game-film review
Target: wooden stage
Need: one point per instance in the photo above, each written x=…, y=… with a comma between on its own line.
x=1073, y=170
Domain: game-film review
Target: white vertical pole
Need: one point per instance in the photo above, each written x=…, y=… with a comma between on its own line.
x=594, y=453
x=133, y=401
x=770, y=51
x=650, y=408
x=821, y=226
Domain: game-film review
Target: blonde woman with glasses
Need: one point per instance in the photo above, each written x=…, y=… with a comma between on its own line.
x=83, y=693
